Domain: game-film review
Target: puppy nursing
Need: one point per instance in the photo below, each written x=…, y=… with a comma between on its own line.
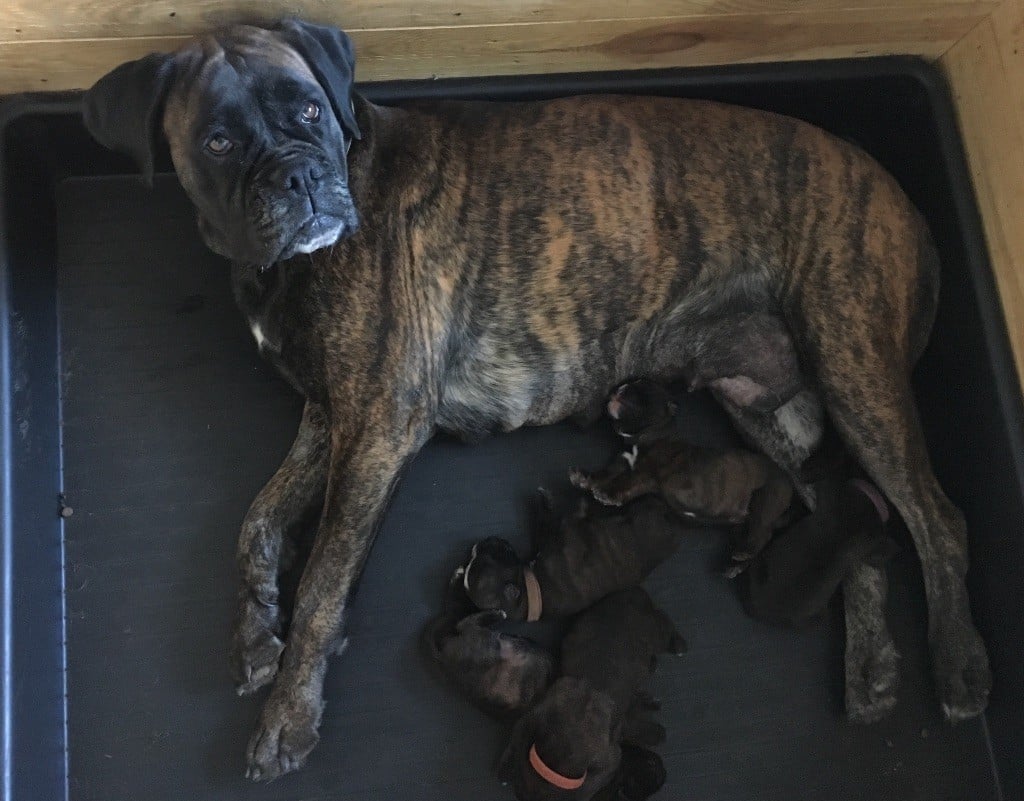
x=710, y=486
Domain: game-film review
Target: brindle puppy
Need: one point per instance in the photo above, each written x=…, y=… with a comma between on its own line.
x=579, y=559
x=572, y=739
x=792, y=580
x=502, y=673
x=711, y=486
x=482, y=266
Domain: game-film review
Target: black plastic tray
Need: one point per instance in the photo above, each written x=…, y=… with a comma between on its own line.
x=129, y=383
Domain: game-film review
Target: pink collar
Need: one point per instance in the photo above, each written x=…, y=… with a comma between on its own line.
x=553, y=777
x=874, y=496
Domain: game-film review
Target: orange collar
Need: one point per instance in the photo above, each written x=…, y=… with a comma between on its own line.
x=534, y=601
x=552, y=777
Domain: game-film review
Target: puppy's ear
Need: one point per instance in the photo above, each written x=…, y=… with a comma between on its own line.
x=124, y=109
x=331, y=57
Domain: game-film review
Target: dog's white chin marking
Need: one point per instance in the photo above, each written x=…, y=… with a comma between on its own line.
x=630, y=456
x=465, y=574
x=321, y=240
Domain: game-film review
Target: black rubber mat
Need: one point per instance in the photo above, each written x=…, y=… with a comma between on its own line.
x=171, y=424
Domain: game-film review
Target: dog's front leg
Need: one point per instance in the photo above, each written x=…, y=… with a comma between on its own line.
x=365, y=461
x=294, y=491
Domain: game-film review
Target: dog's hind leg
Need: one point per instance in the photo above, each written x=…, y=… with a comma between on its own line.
x=294, y=491
x=788, y=438
x=883, y=432
x=872, y=672
x=861, y=351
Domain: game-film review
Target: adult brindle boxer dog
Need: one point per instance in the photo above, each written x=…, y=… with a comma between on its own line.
x=482, y=266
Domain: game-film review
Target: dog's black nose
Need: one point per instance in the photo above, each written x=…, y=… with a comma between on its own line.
x=301, y=177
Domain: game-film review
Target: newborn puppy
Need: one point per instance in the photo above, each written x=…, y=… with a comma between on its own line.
x=707, y=485
x=500, y=672
x=579, y=560
x=792, y=580
x=569, y=745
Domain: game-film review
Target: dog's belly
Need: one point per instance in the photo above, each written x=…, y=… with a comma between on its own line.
x=496, y=391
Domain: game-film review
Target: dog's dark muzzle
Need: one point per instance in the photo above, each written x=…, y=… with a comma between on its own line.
x=298, y=204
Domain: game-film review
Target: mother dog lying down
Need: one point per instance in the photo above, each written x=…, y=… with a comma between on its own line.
x=475, y=267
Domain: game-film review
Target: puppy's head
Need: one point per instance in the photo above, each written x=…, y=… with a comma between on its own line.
x=259, y=122
x=637, y=407
x=574, y=732
x=493, y=578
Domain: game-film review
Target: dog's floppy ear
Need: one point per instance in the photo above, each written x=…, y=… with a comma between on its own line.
x=123, y=109
x=331, y=57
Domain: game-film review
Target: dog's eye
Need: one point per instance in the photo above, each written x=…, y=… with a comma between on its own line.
x=219, y=145
x=311, y=112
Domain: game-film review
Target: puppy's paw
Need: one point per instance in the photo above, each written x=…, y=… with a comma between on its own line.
x=644, y=733
x=735, y=568
x=872, y=677
x=677, y=645
x=285, y=735
x=579, y=479
x=962, y=676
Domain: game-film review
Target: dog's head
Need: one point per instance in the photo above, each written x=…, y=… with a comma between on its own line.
x=493, y=578
x=566, y=748
x=259, y=122
x=640, y=406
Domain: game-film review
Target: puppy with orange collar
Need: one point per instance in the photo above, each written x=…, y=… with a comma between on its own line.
x=579, y=559
x=572, y=740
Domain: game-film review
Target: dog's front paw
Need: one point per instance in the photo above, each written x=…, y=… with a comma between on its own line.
x=872, y=677
x=962, y=675
x=254, y=664
x=255, y=646
x=284, y=736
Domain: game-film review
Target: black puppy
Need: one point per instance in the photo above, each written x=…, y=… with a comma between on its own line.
x=570, y=742
x=642, y=410
x=712, y=486
x=502, y=673
x=792, y=580
x=579, y=559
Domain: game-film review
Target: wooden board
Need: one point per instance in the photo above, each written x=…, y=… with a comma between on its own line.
x=986, y=75
x=31, y=20
x=927, y=29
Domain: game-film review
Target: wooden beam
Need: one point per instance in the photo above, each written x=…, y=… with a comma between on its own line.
x=556, y=46
x=986, y=77
x=35, y=20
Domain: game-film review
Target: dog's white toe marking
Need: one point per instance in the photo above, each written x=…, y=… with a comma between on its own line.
x=257, y=334
x=630, y=456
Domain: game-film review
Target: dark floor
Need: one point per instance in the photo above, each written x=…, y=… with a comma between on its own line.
x=171, y=424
